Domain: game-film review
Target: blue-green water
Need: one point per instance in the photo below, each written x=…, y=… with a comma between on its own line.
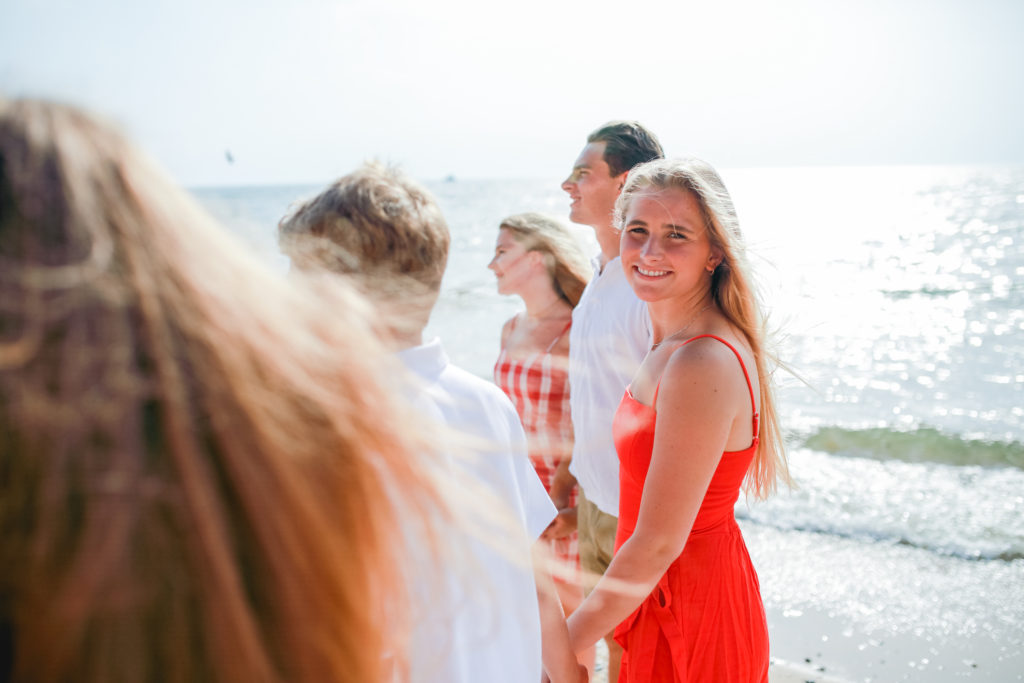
x=898, y=299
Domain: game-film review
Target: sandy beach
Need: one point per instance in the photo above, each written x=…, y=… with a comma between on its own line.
x=779, y=671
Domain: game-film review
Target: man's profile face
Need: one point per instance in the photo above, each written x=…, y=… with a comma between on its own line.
x=592, y=188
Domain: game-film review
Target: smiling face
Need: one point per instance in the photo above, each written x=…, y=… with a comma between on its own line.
x=512, y=264
x=665, y=248
x=592, y=188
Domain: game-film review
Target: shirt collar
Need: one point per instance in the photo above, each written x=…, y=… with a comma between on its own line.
x=427, y=360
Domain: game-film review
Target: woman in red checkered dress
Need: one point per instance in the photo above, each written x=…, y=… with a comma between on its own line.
x=537, y=258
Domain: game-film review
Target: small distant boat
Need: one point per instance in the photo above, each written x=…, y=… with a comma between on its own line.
x=449, y=178
x=228, y=156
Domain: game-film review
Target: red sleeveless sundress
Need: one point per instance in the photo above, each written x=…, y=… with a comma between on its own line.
x=539, y=389
x=704, y=621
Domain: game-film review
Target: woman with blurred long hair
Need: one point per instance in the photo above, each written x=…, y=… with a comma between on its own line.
x=200, y=475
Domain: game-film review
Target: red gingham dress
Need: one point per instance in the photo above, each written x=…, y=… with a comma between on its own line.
x=539, y=389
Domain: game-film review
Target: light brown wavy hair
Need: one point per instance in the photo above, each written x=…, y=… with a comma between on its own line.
x=383, y=229
x=733, y=289
x=200, y=474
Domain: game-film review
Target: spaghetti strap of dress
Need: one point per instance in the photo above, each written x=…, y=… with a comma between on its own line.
x=746, y=376
x=560, y=335
x=512, y=327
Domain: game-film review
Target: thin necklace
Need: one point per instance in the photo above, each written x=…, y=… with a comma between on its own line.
x=681, y=329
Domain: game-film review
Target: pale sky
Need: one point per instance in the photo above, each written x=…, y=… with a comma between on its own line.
x=304, y=90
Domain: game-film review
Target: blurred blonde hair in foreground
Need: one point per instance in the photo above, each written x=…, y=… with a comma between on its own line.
x=200, y=475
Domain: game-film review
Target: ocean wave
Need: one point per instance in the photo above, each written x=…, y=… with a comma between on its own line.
x=870, y=536
x=967, y=512
x=916, y=446
x=900, y=294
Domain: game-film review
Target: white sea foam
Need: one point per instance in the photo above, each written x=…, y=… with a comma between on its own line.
x=967, y=512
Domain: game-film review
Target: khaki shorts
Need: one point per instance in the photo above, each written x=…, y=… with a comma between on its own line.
x=596, y=540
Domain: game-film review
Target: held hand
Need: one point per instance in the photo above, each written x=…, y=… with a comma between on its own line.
x=582, y=675
x=563, y=525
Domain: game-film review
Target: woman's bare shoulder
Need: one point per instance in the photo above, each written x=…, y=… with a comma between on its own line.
x=709, y=371
x=701, y=357
x=705, y=365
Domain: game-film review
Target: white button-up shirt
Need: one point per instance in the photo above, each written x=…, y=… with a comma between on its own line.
x=611, y=334
x=481, y=622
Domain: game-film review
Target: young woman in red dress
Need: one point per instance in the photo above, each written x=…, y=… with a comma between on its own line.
x=697, y=421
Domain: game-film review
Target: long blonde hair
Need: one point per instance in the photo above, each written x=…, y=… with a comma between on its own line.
x=733, y=289
x=200, y=474
x=566, y=263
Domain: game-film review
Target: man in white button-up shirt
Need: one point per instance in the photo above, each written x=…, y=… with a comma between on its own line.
x=611, y=334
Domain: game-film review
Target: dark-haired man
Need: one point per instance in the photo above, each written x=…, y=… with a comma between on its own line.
x=611, y=333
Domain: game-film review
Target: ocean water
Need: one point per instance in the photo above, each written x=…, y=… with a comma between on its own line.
x=897, y=302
